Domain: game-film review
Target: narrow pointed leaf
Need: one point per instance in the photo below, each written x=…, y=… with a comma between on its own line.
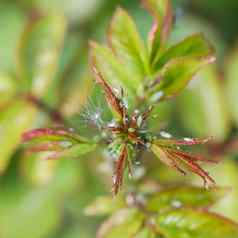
x=119, y=171
x=49, y=135
x=39, y=51
x=161, y=10
x=167, y=158
x=191, y=223
x=127, y=45
x=113, y=101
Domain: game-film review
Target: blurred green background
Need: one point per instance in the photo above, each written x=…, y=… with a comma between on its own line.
x=46, y=199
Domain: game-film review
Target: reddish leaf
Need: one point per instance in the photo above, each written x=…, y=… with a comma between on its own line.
x=114, y=102
x=118, y=177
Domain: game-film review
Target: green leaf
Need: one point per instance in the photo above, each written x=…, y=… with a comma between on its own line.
x=146, y=233
x=7, y=88
x=157, y=8
x=184, y=196
x=176, y=74
x=128, y=46
x=231, y=84
x=75, y=151
x=226, y=174
x=105, y=205
x=112, y=70
x=192, y=46
x=203, y=102
x=39, y=51
x=124, y=223
x=195, y=224
x=17, y=118
x=161, y=10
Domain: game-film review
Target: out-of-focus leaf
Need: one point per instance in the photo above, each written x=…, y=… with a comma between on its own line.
x=203, y=102
x=37, y=170
x=36, y=214
x=17, y=118
x=13, y=20
x=38, y=52
x=124, y=223
x=7, y=88
x=76, y=11
x=231, y=84
x=176, y=75
x=193, y=46
x=195, y=224
x=184, y=196
x=75, y=101
x=105, y=205
x=146, y=233
x=127, y=45
x=112, y=70
x=226, y=174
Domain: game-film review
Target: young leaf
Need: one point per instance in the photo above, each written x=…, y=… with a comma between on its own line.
x=42, y=135
x=65, y=144
x=111, y=69
x=113, y=101
x=161, y=10
x=192, y=46
x=125, y=223
x=176, y=74
x=177, y=159
x=127, y=45
x=39, y=51
x=184, y=196
x=120, y=166
x=192, y=223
